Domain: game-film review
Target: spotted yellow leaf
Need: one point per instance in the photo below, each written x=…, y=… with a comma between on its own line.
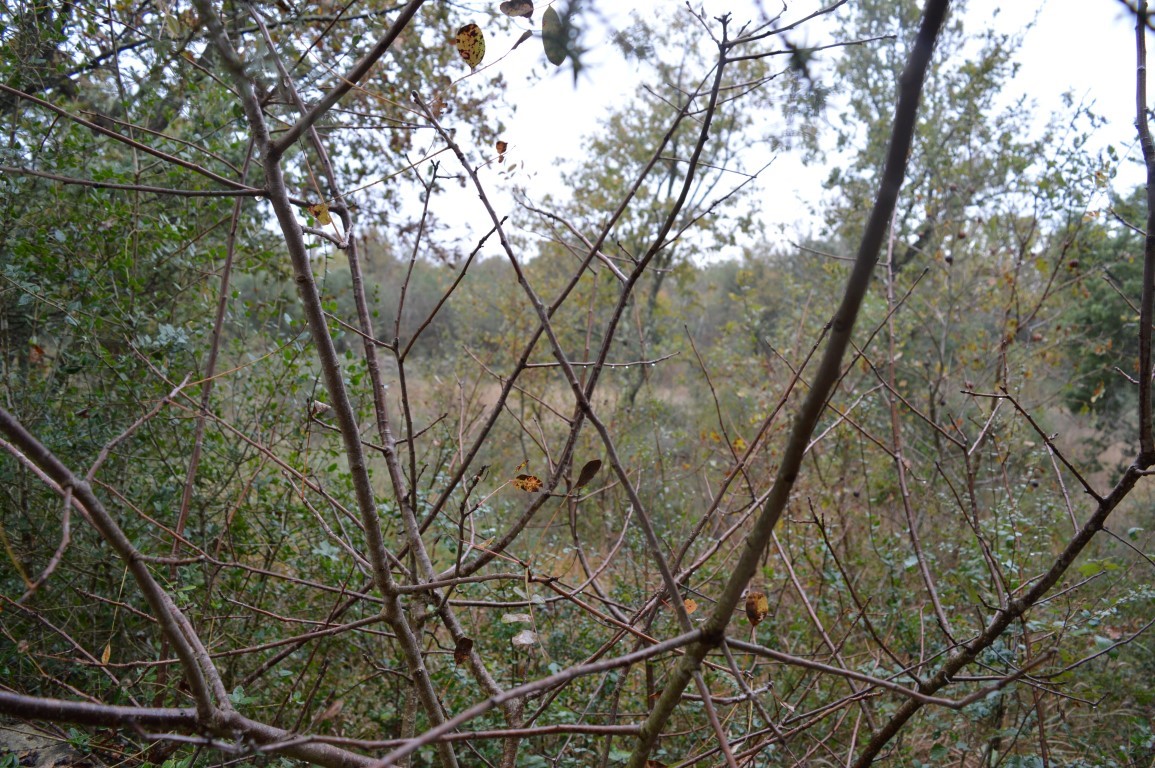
x=470, y=44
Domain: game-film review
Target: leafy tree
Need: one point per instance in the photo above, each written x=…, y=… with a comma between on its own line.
x=1110, y=254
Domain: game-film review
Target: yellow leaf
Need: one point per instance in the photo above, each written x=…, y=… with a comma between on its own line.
x=470, y=44
x=527, y=483
x=104, y=657
x=757, y=607
x=690, y=604
x=320, y=212
x=739, y=444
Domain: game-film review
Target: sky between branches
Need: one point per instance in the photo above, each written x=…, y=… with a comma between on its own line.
x=1085, y=47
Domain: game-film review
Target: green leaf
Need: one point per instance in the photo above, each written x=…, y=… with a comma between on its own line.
x=238, y=697
x=553, y=37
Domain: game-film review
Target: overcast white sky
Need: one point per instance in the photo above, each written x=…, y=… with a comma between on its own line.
x=1082, y=46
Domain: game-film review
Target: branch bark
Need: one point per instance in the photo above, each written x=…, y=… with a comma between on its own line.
x=339, y=398
x=1147, y=307
x=902, y=136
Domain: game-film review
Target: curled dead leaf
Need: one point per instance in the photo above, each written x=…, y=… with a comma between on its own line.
x=527, y=483
x=527, y=34
x=524, y=638
x=437, y=105
x=501, y=146
x=462, y=650
x=757, y=607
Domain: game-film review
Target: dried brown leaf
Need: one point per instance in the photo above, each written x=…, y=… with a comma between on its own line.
x=757, y=607
x=462, y=650
x=527, y=483
x=524, y=638
x=527, y=34
x=588, y=472
x=330, y=712
x=515, y=8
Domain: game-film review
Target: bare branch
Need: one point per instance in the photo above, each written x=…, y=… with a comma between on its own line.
x=1147, y=303
x=824, y=380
